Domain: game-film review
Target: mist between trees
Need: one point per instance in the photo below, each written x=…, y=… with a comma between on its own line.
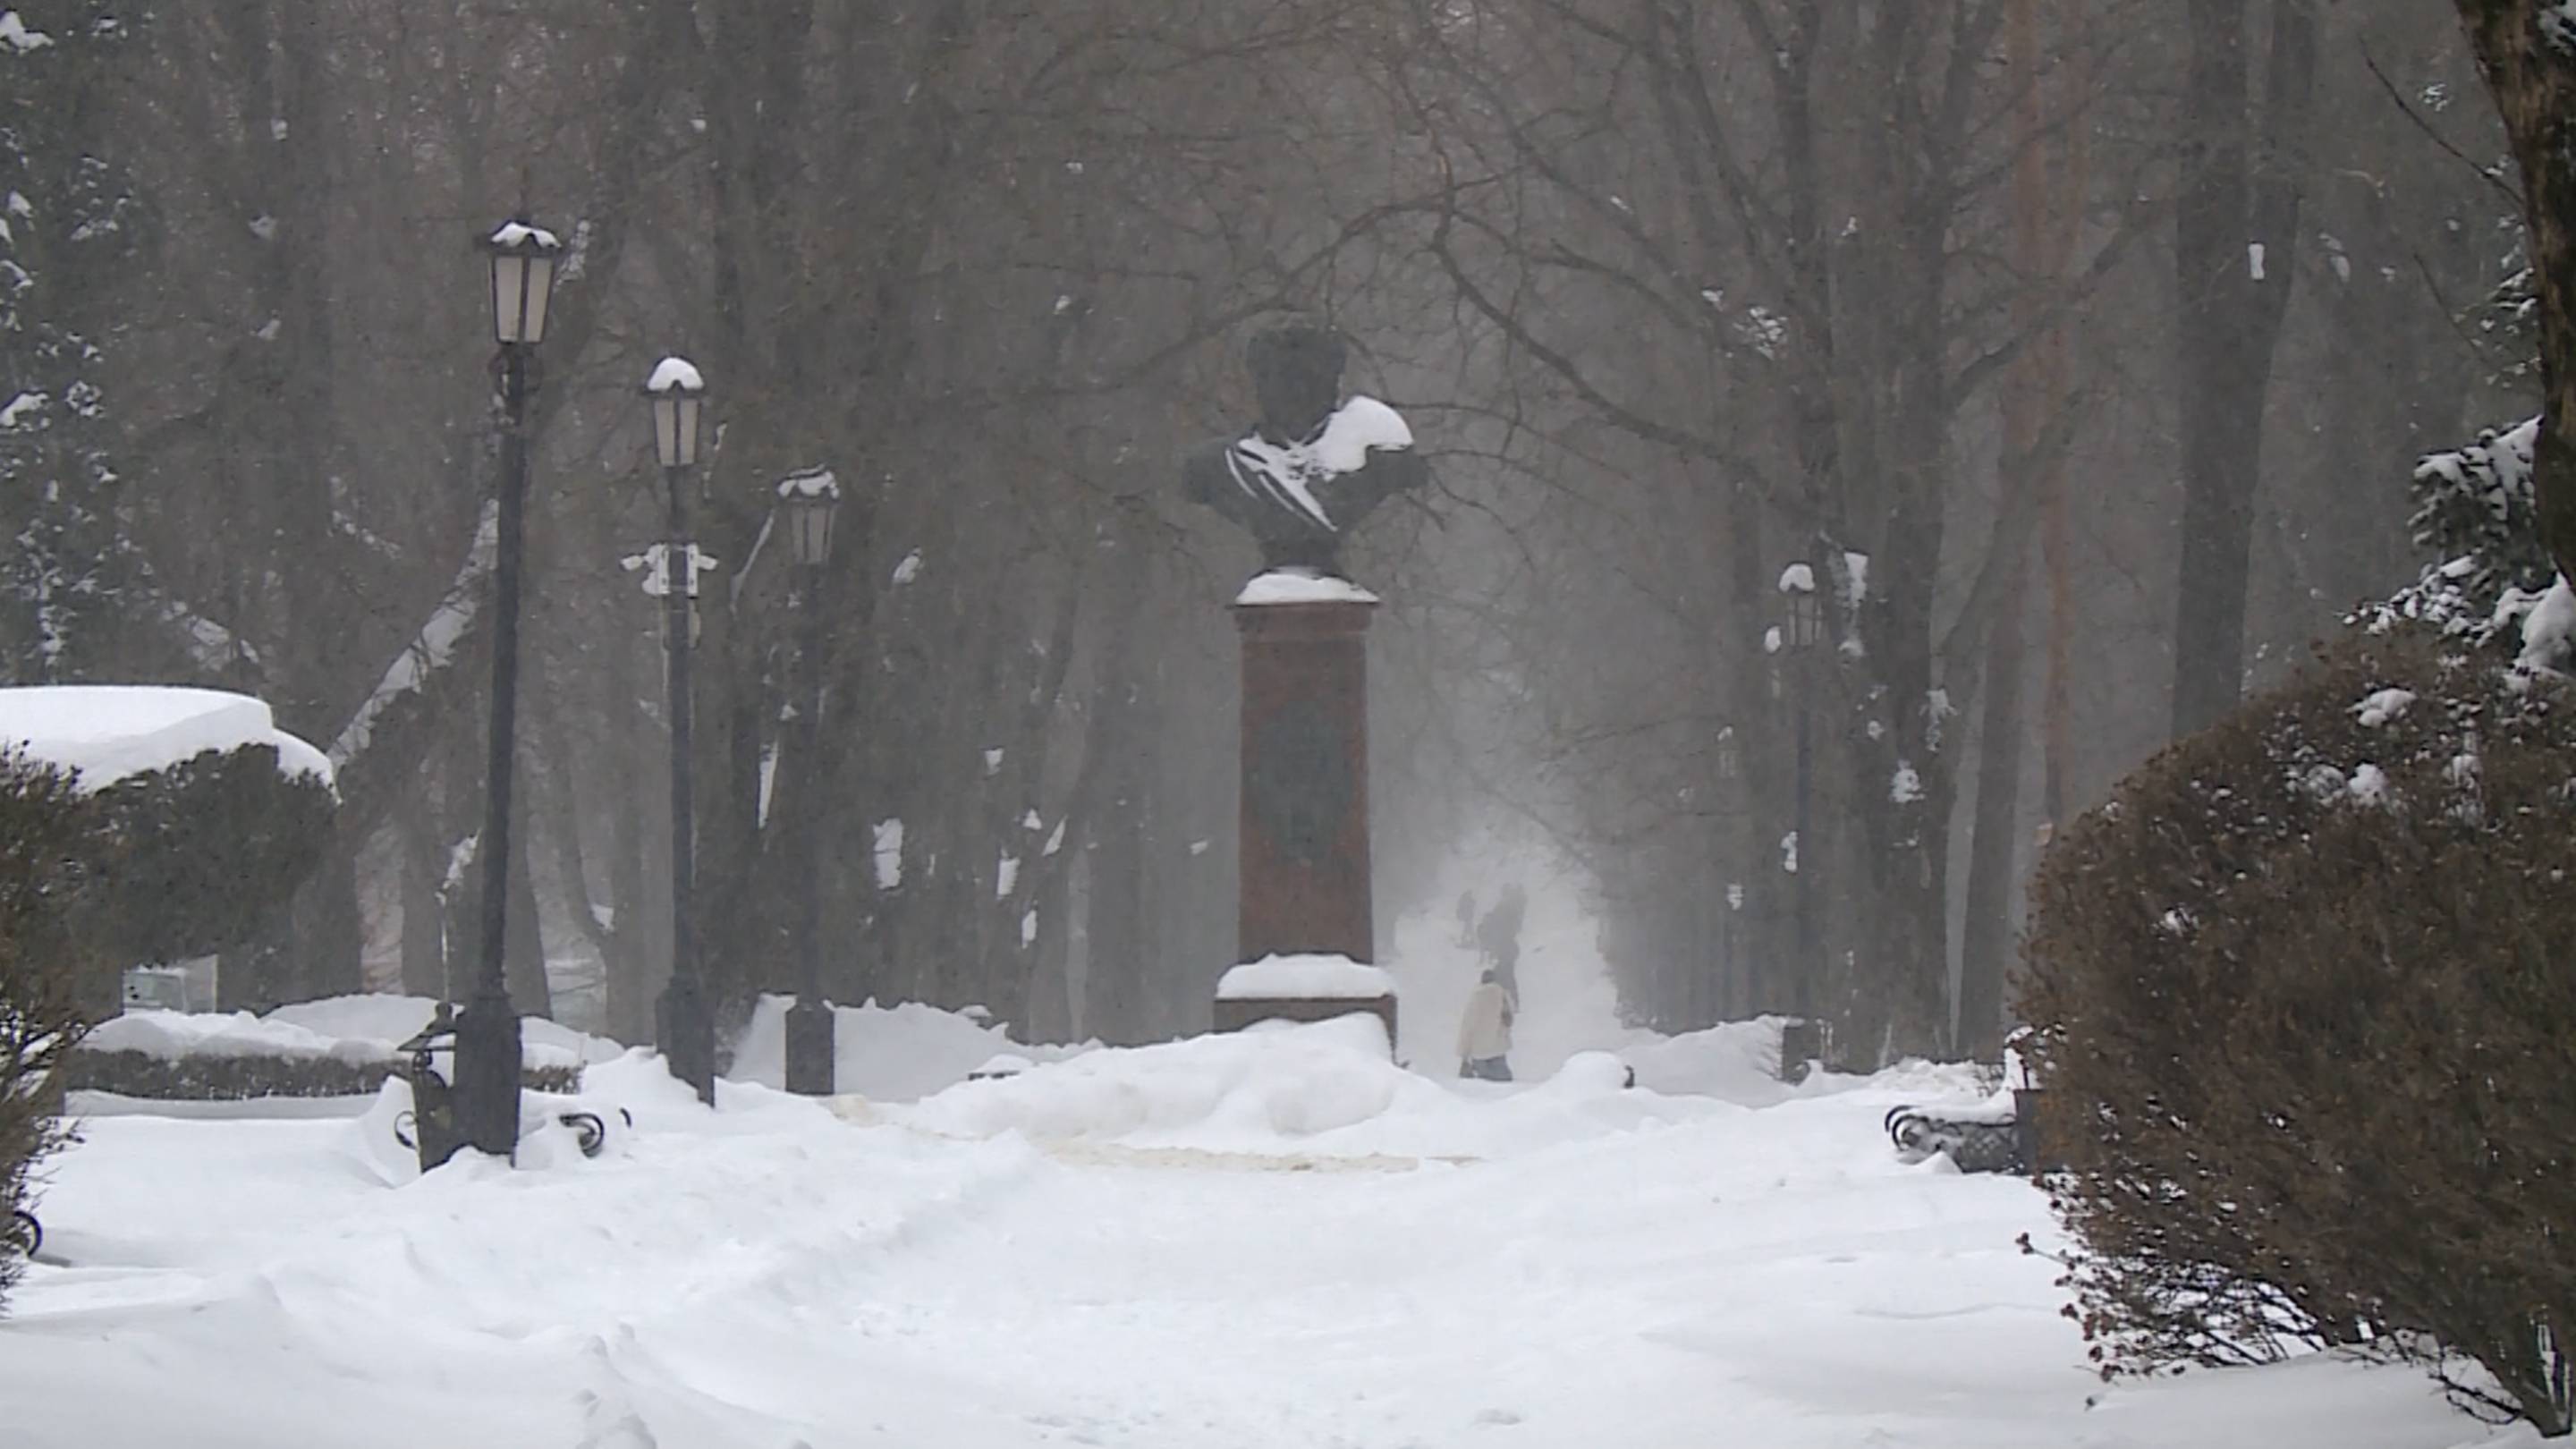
x=2082, y=349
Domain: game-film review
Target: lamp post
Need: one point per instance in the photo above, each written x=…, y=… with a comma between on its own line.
x=486, y=1090
x=684, y=1027
x=1802, y=629
x=806, y=501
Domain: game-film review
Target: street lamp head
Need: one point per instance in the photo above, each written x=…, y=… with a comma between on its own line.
x=1806, y=611
x=808, y=498
x=523, y=280
x=677, y=391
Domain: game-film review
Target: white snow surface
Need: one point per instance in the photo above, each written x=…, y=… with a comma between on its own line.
x=519, y=233
x=1798, y=578
x=351, y=1028
x=1331, y=977
x=1273, y=1240
x=675, y=373
x=1302, y=586
x=105, y=732
x=2549, y=630
x=2383, y=705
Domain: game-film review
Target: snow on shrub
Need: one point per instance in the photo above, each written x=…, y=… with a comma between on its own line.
x=45, y=872
x=2311, y=1046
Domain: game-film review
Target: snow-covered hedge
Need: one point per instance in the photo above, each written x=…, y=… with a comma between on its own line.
x=241, y=1077
x=2307, y=983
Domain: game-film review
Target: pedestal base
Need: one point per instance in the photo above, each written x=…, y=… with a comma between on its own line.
x=1236, y=1013
x=810, y=1068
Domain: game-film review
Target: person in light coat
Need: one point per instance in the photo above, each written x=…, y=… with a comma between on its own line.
x=1485, y=1032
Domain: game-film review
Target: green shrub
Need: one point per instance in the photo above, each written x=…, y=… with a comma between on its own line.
x=2309, y=982
x=46, y=871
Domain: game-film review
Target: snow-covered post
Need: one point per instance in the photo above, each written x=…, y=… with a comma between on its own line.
x=685, y=1028
x=1802, y=1040
x=1299, y=482
x=487, y=1032
x=806, y=501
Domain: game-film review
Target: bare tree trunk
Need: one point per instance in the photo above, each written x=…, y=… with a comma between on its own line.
x=2527, y=50
x=2235, y=234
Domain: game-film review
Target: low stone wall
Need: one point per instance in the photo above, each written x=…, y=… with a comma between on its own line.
x=211, y=1078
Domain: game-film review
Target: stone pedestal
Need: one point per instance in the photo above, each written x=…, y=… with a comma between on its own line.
x=1304, y=840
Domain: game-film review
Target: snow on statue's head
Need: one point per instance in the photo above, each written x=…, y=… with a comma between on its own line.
x=1297, y=376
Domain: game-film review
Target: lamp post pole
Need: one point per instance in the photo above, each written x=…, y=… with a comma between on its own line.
x=1804, y=626
x=685, y=1028
x=808, y=499
x=486, y=1089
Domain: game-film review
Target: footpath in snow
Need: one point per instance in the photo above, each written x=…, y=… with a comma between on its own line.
x=1116, y=1248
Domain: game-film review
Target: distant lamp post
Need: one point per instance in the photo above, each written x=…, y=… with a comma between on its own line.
x=486, y=1090
x=807, y=500
x=1801, y=631
x=684, y=1026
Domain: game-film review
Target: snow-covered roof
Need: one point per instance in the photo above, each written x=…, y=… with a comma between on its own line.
x=520, y=234
x=1302, y=586
x=675, y=372
x=105, y=732
x=1332, y=978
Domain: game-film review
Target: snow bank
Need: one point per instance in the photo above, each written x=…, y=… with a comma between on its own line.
x=1241, y=1090
x=891, y=1054
x=1302, y=586
x=106, y=732
x=1331, y=978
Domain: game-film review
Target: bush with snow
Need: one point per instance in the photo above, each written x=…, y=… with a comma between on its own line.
x=2312, y=1043
x=45, y=872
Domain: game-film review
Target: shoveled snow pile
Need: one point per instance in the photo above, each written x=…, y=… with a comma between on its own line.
x=105, y=732
x=1331, y=978
x=890, y=1054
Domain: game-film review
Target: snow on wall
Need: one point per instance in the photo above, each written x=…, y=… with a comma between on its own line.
x=1334, y=978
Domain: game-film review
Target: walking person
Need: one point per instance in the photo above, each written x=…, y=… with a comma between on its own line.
x=1485, y=1032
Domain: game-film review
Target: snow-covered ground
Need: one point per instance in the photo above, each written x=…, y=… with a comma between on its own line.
x=1276, y=1238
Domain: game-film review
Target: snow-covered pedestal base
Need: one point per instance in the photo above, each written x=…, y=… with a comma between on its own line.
x=1302, y=989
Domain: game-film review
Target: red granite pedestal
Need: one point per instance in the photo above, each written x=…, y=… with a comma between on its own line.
x=1304, y=839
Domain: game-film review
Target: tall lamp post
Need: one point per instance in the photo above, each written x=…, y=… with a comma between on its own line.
x=806, y=501
x=684, y=1027
x=1801, y=630
x=486, y=1090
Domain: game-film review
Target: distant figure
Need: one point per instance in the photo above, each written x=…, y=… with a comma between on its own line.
x=1467, y=919
x=1499, y=936
x=1485, y=1033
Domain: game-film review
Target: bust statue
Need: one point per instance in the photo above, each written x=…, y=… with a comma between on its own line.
x=1315, y=464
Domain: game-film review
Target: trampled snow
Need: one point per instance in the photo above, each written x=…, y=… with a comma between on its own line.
x=105, y=732
x=1273, y=1239
x=1328, y=976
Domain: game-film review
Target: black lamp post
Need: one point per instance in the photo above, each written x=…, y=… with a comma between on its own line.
x=486, y=1090
x=806, y=501
x=1801, y=630
x=684, y=1027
